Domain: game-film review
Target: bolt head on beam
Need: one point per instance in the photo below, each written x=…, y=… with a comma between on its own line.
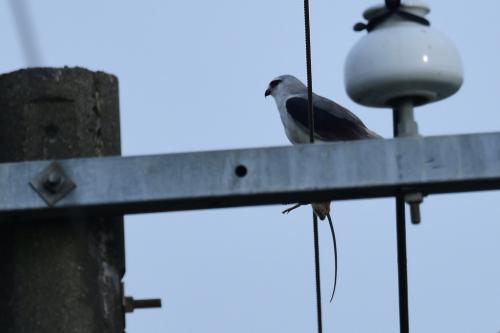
x=52, y=184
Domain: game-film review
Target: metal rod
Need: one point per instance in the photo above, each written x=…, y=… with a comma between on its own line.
x=402, y=265
x=130, y=304
x=406, y=125
x=147, y=303
x=404, y=325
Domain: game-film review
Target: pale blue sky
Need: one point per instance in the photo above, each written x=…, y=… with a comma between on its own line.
x=192, y=77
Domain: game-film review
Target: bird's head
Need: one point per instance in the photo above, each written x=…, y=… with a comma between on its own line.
x=284, y=84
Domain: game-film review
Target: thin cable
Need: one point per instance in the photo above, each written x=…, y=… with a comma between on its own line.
x=318, y=272
x=26, y=32
x=334, y=240
x=311, y=139
x=309, y=71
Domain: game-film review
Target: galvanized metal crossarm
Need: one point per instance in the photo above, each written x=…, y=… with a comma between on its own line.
x=344, y=170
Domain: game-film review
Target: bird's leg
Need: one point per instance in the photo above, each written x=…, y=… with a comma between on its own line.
x=288, y=210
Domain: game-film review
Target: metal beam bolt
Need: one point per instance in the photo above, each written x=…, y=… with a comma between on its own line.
x=414, y=200
x=54, y=182
x=415, y=213
x=130, y=304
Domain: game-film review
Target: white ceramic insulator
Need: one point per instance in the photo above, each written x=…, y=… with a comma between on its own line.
x=402, y=59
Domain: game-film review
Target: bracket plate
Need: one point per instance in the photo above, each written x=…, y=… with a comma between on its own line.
x=52, y=184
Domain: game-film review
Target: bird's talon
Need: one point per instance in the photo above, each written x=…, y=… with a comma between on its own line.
x=288, y=210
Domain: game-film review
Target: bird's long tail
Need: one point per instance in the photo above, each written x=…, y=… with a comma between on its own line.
x=323, y=210
x=334, y=239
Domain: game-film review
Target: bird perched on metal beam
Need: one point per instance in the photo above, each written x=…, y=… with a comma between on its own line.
x=332, y=122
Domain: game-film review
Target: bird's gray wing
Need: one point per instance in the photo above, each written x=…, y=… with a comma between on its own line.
x=332, y=122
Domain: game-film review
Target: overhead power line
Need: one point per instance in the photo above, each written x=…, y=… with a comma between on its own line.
x=27, y=33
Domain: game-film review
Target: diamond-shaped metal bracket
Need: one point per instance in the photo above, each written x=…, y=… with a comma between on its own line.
x=52, y=184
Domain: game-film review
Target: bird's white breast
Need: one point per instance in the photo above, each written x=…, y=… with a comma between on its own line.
x=293, y=132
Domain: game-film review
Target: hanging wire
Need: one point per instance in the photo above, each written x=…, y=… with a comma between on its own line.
x=26, y=32
x=309, y=71
x=318, y=272
x=311, y=139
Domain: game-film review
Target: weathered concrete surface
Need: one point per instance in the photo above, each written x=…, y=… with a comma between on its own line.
x=60, y=275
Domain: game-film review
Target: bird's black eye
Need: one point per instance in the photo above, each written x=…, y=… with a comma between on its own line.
x=274, y=83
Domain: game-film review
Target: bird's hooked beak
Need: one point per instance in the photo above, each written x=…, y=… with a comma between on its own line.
x=268, y=92
x=274, y=83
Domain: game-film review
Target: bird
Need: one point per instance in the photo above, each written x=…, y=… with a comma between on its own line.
x=332, y=122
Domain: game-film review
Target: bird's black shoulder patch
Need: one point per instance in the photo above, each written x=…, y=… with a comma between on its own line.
x=338, y=124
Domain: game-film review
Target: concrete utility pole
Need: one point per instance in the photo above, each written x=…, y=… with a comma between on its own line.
x=60, y=275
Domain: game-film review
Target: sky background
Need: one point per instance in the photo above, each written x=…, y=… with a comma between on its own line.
x=192, y=77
